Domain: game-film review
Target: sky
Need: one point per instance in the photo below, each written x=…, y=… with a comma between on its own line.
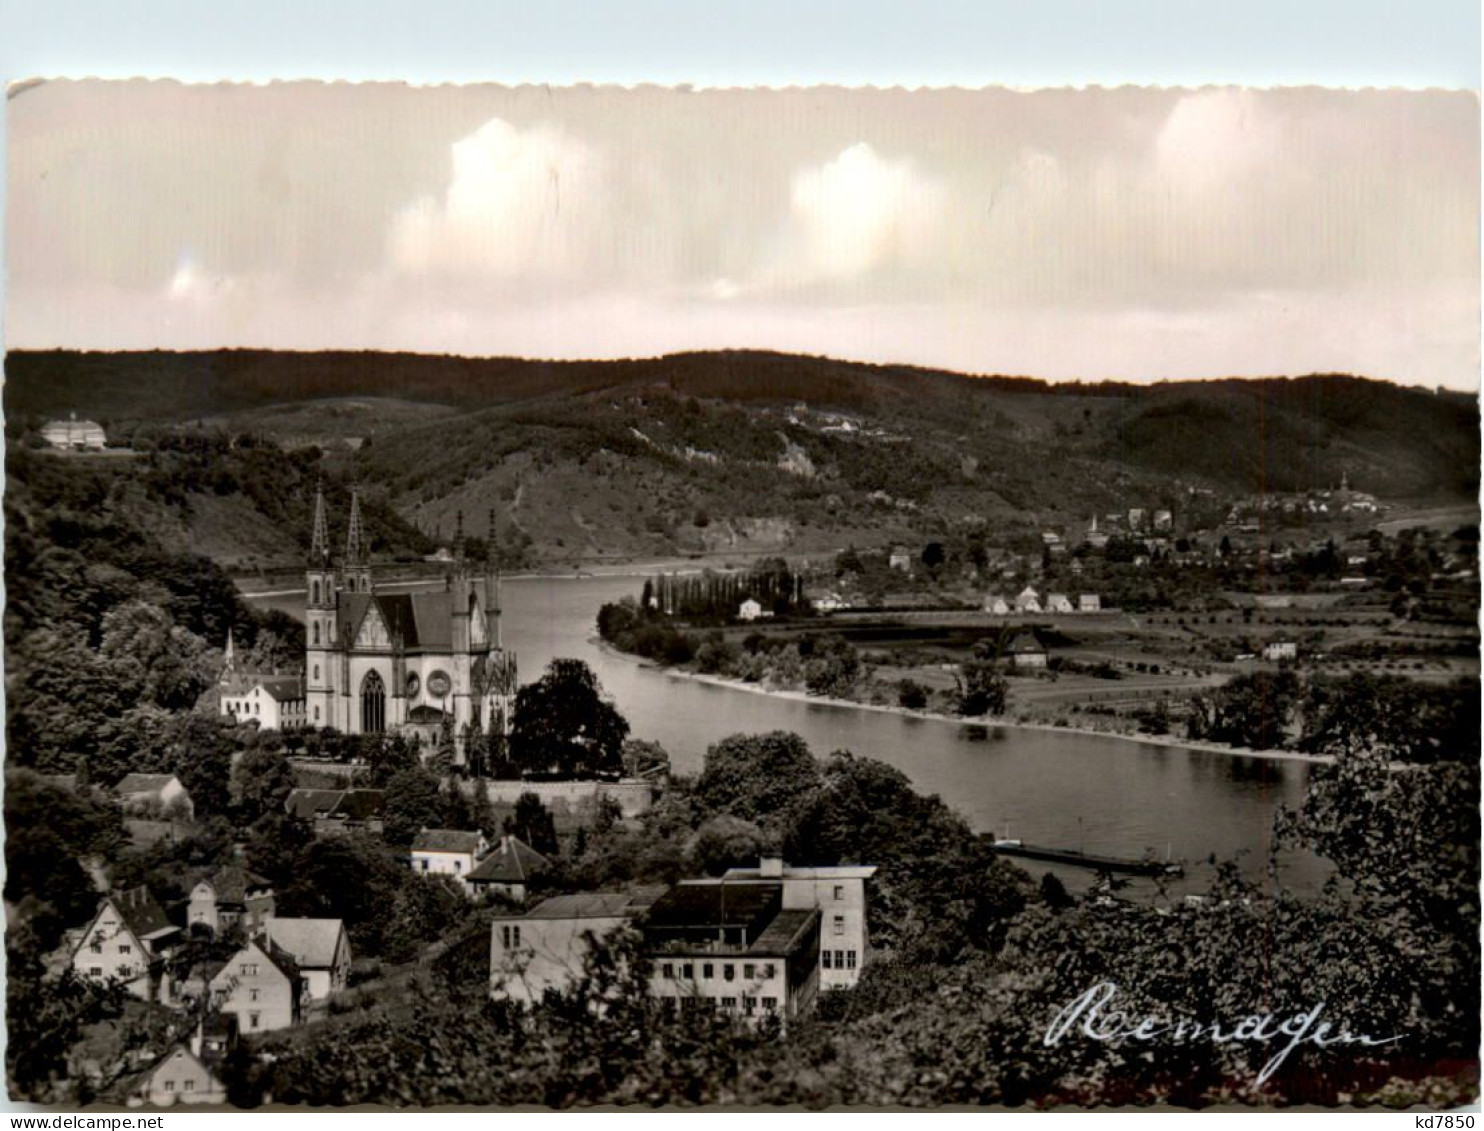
x=1127, y=233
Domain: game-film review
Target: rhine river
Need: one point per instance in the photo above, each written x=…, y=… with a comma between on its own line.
x=1101, y=794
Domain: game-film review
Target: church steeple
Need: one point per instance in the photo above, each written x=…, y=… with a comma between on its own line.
x=319, y=542
x=357, y=565
x=492, y=581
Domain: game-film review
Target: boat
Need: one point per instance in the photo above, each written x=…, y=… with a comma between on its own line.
x=1075, y=857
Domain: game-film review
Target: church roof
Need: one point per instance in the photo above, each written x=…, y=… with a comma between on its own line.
x=424, y=621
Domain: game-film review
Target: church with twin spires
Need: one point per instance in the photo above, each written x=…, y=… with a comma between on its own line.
x=379, y=662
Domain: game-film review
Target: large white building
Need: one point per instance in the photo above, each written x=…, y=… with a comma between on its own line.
x=402, y=662
x=73, y=434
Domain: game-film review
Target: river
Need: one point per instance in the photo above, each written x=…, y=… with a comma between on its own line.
x=1103, y=794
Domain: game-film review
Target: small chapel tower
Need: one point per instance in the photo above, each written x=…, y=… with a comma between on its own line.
x=357, y=561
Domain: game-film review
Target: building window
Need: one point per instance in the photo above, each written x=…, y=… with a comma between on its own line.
x=688, y=972
x=250, y=969
x=373, y=704
x=748, y=1004
x=189, y=1085
x=316, y=632
x=252, y=995
x=510, y=934
x=316, y=714
x=668, y=970
x=839, y=924
x=125, y=948
x=316, y=673
x=169, y=1085
x=708, y=971
x=728, y=971
x=749, y=971
x=850, y=960
x=729, y=1003
x=252, y=1020
x=770, y=1004
x=824, y=959
x=95, y=971
x=96, y=948
x=767, y=970
x=458, y=865
x=839, y=888
x=316, y=592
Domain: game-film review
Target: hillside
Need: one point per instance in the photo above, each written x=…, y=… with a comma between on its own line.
x=749, y=452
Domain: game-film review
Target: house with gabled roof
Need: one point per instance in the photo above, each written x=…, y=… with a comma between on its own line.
x=320, y=949
x=544, y=947
x=233, y=895
x=1058, y=603
x=447, y=852
x=508, y=871
x=1026, y=652
x=150, y=794
x=178, y=1077
x=260, y=985
x=996, y=606
x=129, y=930
x=1028, y=601
x=333, y=811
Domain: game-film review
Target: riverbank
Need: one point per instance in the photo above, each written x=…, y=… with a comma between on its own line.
x=797, y=696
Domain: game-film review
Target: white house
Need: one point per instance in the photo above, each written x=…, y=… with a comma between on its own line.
x=507, y=871
x=1280, y=650
x=233, y=895
x=273, y=702
x=749, y=610
x=1089, y=603
x=447, y=852
x=129, y=929
x=1058, y=603
x=544, y=948
x=260, y=986
x=1029, y=601
x=996, y=606
x=179, y=1077
x=321, y=950
x=901, y=559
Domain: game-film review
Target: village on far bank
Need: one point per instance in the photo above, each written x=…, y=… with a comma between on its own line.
x=1133, y=622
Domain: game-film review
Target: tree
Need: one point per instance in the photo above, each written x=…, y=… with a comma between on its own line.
x=532, y=823
x=982, y=690
x=645, y=759
x=262, y=780
x=757, y=777
x=412, y=803
x=562, y=724
x=911, y=695
x=933, y=556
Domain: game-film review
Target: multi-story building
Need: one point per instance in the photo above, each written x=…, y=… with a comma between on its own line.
x=260, y=986
x=448, y=852
x=732, y=945
x=320, y=949
x=838, y=892
x=232, y=896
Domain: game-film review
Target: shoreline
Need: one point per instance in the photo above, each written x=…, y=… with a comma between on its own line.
x=794, y=695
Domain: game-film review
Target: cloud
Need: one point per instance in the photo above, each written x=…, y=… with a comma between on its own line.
x=527, y=203
x=857, y=213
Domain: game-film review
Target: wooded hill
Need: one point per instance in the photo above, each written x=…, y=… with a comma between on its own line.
x=759, y=452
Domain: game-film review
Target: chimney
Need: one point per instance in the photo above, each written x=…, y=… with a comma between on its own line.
x=771, y=867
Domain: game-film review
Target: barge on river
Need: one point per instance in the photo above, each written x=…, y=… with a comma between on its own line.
x=1092, y=861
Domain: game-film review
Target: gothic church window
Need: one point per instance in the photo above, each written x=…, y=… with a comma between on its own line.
x=373, y=704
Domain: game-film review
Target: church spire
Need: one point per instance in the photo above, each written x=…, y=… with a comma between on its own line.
x=492, y=578
x=354, y=550
x=319, y=543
